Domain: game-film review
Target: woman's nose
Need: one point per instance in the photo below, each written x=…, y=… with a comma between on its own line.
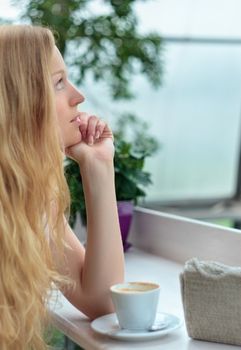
x=76, y=97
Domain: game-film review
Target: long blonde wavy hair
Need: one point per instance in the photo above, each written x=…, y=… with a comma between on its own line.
x=32, y=183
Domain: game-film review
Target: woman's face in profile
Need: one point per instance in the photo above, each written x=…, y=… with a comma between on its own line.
x=67, y=98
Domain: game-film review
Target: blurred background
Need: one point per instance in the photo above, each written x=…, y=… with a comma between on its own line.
x=191, y=101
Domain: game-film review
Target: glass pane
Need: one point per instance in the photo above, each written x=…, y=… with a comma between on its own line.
x=196, y=115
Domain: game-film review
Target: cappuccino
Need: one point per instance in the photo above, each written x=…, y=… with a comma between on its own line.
x=135, y=287
x=135, y=304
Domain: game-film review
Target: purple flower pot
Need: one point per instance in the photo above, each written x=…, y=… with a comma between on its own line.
x=125, y=211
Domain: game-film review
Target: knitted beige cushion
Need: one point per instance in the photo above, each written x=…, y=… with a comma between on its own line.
x=211, y=295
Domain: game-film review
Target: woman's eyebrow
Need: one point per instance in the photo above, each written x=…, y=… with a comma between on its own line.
x=59, y=71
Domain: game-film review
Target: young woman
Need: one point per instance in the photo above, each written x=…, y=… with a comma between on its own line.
x=39, y=124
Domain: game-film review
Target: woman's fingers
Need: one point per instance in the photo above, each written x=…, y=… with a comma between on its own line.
x=93, y=128
x=107, y=134
x=84, y=124
x=100, y=129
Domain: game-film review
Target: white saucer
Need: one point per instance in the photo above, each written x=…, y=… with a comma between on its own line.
x=108, y=325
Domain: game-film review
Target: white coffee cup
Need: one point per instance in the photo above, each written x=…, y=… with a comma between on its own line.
x=135, y=304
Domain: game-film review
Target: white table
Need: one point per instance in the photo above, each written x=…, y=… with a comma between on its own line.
x=144, y=265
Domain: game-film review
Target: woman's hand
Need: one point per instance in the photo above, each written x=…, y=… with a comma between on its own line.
x=96, y=141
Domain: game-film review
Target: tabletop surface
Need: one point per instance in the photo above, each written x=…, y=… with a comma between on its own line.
x=140, y=266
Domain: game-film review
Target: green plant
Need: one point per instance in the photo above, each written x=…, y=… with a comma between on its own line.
x=132, y=145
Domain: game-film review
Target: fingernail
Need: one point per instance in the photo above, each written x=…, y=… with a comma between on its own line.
x=90, y=140
x=97, y=135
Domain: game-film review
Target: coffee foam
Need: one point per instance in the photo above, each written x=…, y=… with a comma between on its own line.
x=135, y=287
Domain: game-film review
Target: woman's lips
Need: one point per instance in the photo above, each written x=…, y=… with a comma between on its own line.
x=76, y=119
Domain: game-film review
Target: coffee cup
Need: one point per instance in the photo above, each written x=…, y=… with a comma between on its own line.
x=135, y=304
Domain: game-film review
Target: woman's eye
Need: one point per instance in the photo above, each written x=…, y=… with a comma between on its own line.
x=60, y=84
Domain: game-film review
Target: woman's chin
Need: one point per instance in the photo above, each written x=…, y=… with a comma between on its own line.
x=73, y=141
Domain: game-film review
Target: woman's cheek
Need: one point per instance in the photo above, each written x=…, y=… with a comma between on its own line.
x=72, y=137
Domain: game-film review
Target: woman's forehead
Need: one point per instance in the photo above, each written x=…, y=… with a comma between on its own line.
x=57, y=62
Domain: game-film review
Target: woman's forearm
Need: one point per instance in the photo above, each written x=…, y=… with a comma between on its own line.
x=104, y=260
